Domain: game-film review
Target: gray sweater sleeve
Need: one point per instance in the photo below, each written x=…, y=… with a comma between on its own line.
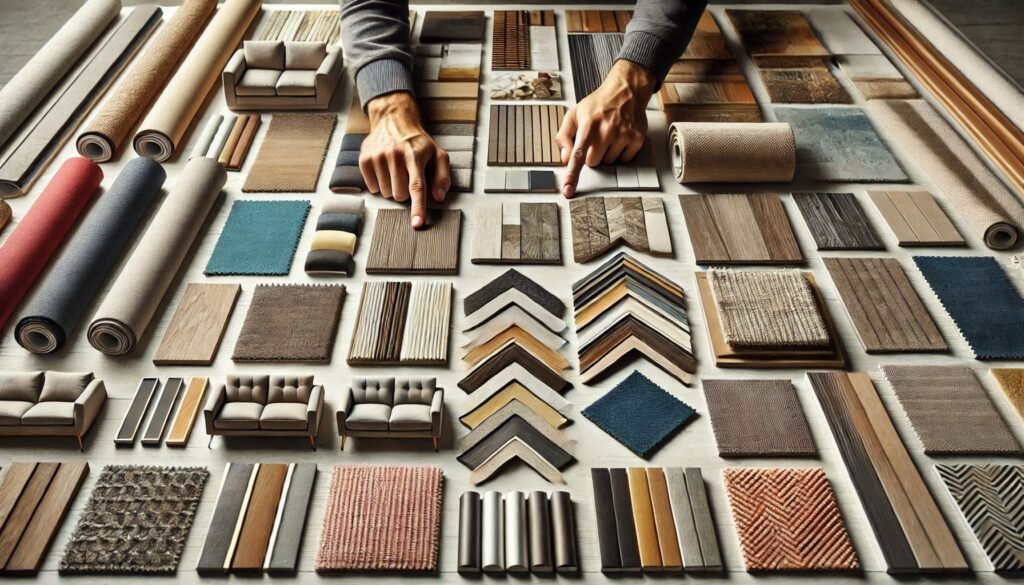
x=375, y=36
x=659, y=32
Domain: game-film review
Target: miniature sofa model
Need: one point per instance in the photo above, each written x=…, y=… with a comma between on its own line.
x=390, y=408
x=265, y=406
x=282, y=75
x=50, y=403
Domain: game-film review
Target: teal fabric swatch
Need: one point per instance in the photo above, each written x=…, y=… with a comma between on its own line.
x=259, y=238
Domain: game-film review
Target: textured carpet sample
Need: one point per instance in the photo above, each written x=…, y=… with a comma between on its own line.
x=137, y=520
x=1011, y=381
x=788, y=520
x=292, y=153
x=384, y=518
x=950, y=410
x=639, y=414
x=292, y=322
x=758, y=418
x=767, y=309
x=259, y=237
x=991, y=498
x=983, y=302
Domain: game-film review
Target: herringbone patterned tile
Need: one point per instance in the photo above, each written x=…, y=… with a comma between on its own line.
x=991, y=498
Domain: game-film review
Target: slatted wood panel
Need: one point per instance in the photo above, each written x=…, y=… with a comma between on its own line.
x=510, y=40
x=740, y=229
x=510, y=232
x=916, y=219
x=884, y=307
x=600, y=224
x=399, y=249
x=579, y=21
x=837, y=221
x=402, y=323
x=191, y=403
x=524, y=135
x=198, y=325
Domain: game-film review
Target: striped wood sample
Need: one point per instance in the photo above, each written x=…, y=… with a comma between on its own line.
x=907, y=522
x=991, y=498
x=397, y=248
x=197, y=327
x=600, y=224
x=162, y=411
x=595, y=21
x=513, y=42
x=263, y=501
x=191, y=403
x=837, y=221
x=740, y=229
x=524, y=135
x=512, y=232
x=133, y=417
x=300, y=25
x=916, y=219
x=402, y=323
x=592, y=57
x=885, y=309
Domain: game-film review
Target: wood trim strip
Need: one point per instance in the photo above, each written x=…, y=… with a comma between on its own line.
x=234, y=488
x=191, y=403
x=35, y=541
x=629, y=549
x=28, y=502
x=702, y=519
x=643, y=516
x=260, y=514
x=668, y=541
x=133, y=417
x=162, y=412
x=604, y=507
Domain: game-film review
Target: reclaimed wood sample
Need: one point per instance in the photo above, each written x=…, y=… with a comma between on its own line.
x=260, y=515
x=397, y=248
x=402, y=323
x=132, y=421
x=191, y=403
x=837, y=221
x=524, y=135
x=602, y=223
x=800, y=80
x=908, y=525
x=162, y=412
x=885, y=309
x=511, y=232
x=197, y=327
x=740, y=229
x=916, y=219
x=776, y=33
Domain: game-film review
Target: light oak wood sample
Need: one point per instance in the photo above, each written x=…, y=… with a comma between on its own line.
x=191, y=403
x=197, y=328
x=916, y=219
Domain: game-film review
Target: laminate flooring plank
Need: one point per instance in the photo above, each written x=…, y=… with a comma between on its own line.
x=397, y=248
x=191, y=403
x=494, y=134
x=283, y=555
x=916, y=219
x=668, y=541
x=706, y=238
x=17, y=477
x=28, y=502
x=702, y=518
x=251, y=550
x=776, y=230
x=643, y=516
x=837, y=221
x=629, y=550
x=233, y=490
x=49, y=515
x=608, y=22
x=686, y=528
x=133, y=417
x=574, y=21
x=604, y=507
x=162, y=412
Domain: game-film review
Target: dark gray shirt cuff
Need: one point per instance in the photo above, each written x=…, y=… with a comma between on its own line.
x=382, y=77
x=649, y=51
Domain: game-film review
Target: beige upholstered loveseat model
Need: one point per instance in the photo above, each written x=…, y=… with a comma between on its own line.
x=50, y=403
x=282, y=75
x=385, y=407
x=265, y=406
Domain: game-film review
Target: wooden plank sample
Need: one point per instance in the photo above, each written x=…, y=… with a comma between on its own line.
x=191, y=403
x=399, y=249
x=260, y=515
x=519, y=133
x=283, y=555
x=739, y=229
x=629, y=551
x=837, y=221
x=517, y=233
x=136, y=412
x=197, y=328
x=162, y=412
x=885, y=309
x=49, y=515
x=668, y=541
x=234, y=489
x=916, y=219
x=643, y=516
x=602, y=223
x=15, y=480
x=402, y=323
x=18, y=519
x=607, y=533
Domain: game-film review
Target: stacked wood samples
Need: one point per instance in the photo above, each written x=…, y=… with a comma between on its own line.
x=740, y=229
x=197, y=327
x=402, y=323
x=397, y=248
x=908, y=525
x=524, y=135
x=916, y=219
x=189, y=400
x=34, y=498
x=511, y=232
x=600, y=224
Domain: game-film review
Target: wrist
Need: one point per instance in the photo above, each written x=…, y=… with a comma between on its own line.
x=398, y=104
x=637, y=78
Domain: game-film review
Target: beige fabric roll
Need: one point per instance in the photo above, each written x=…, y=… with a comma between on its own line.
x=30, y=86
x=974, y=191
x=161, y=131
x=140, y=288
x=103, y=138
x=334, y=240
x=727, y=152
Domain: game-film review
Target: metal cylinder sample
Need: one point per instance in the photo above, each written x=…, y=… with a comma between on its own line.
x=492, y=530
x=564, y=531
x=469, y=533
x=517, y=558
x=540, y=533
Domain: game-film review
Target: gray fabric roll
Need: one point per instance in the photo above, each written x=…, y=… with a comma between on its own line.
x=540, y=533
x=88, y=257
x=47, y=68
x=469, y=533
x=133, y=300
x=564, y=530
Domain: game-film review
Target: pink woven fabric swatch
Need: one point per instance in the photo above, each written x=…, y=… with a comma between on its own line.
x=382, y=519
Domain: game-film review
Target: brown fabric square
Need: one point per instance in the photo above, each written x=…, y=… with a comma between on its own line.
x=290, y=323
x=292, y=154
x=757, y=418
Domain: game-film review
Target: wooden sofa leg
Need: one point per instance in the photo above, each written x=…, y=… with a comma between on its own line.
x=343, y=437
x=434, y=439
x=312, y=442
x=210, y=442
x=81, y=447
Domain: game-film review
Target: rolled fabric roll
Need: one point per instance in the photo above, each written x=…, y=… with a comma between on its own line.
x=342, y=222
x=112, y=126
x=206, y=137
x=516, y=538
x=161, y=131
x=329, y=262
x=564, y=530
x=540, y=533
x=32, y=83
x=721, y=152
x=492, y=530
x=334, y=240
x=133, y=299
x=469, y=533
x=29, y=247
x=974, y=191
x=88, y=257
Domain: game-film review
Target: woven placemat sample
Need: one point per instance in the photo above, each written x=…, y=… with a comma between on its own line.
x=137, y=520
x=291, y=155
x=290, y=323
x=259, y=238
x=990, y=498
x=758, y=418
x=950, y=410
x=639, y=414
x=767, y=309
x=385, y=518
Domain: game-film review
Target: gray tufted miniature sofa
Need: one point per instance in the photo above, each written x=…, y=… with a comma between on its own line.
x=265, y=406
x=390, y=408
x=50, y=403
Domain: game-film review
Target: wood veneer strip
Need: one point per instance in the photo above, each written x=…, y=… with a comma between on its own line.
x=162, y=412
x=625, y=525
x=49, y=515
x=668, y=541
x=702, y=519
x=15, y=480
x=136, y=412
x=191, y=403
x=260, y=515
x=284, y=549
x=643, y=516
x=607, y=532
x=233, y=490
x=682, y=514
x=197, y=328
x=28, y=501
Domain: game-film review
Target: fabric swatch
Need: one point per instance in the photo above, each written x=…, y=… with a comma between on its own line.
x=292, y=153
x=259, y=237
x=990, y=498
x=639, y=414
x=981, y=299
x=290, y=323
x=758, y=418
x=385, y=518
x=950, y=410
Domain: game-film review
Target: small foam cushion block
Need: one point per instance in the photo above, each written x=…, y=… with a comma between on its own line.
x=304, y=55
x=264, y=54
x=329, y=262
x=639, y=414
x=342, y=222
x=334, y=240
x=259, y=238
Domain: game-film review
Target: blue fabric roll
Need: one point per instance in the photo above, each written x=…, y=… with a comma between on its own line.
x=88, y=257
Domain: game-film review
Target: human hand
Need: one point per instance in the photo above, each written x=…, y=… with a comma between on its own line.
x=399, y=160
x=607, y=126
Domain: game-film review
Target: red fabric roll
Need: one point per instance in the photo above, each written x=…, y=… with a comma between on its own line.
x=33, y=241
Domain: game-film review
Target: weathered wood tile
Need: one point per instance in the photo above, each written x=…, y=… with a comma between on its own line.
x=602, y=223
x=739, y=229
x=397, y=248
x=837, y=221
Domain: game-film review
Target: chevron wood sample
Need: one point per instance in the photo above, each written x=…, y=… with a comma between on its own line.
x=524, y=135
x=991, y=499
x=514, y=335
x=511, y=394
x=600, y=224
x=740, y=229
x=521, y=415
x=515, y=449
x=512, y=232
x=788, y=520
x=489, y=300
x=402, y=323
x=399, y=249
x=916, y=219
x=908, y=525
x=197, y=328
x=483, y=388
x=512, y=354
x=837, y=221
x=513, y=315
x=884, y=307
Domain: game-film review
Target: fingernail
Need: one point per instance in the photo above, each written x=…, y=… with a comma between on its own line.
x=439, y=193
x=568, y=190
x=417, y=221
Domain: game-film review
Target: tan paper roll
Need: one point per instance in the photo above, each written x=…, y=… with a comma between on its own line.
x=105, y=135
x=140, y=288
x=161, y=131
x=721, y=152
x=974, y=191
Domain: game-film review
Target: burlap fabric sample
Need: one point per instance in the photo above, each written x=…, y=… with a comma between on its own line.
x=292, y=154
x=718, y=152
x=767, y=309
x=758, y=418
x=1011, y=381
x=290, y=323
